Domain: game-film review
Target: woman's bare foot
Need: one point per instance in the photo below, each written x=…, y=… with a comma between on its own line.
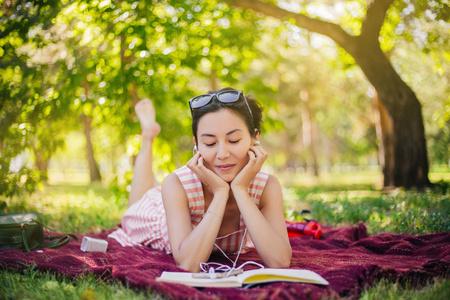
x=146, y=114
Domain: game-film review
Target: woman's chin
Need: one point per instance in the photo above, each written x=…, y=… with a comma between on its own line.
x=227, y=177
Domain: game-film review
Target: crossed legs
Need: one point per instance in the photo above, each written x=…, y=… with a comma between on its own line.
x=143, y=177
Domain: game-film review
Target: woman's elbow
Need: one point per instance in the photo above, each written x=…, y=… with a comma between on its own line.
x=285, y=261
x=189, y=267
x=281, y=261
x=280, y=264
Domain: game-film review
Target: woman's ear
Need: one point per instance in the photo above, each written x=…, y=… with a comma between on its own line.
x=195, y=149
x=256, y=136
x=255, y=139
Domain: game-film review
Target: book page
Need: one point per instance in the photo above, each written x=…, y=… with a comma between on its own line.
x=291, y=275
x=248, y=277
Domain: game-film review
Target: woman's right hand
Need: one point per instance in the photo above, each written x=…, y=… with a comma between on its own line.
x=211, y=180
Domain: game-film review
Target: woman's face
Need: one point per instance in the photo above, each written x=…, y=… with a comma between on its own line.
x=223, y=142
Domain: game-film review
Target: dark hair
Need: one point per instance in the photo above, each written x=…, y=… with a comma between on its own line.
x=239, y=107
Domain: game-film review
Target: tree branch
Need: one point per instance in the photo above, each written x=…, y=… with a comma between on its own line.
x=371, y=25
x=333, y=31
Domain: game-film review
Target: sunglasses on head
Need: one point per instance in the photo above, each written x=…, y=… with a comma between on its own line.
x=223, y=97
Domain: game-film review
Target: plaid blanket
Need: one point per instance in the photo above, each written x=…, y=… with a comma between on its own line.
x=347, y=257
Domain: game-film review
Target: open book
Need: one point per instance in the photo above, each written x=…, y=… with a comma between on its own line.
x=246, y=277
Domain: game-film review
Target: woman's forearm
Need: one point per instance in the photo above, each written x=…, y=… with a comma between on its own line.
x=198, y=245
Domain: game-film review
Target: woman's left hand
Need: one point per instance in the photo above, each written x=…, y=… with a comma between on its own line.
x=257, y=157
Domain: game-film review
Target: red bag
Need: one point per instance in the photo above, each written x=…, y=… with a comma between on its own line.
x=309, y=227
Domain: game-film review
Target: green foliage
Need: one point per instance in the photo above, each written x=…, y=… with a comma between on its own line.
x=97, y=59
x=62, y=60
x=120, y=187
x=28, y=95
x=15, y=183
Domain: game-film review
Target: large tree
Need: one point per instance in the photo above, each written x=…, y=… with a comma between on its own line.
x=27, y=92
x=410, y=161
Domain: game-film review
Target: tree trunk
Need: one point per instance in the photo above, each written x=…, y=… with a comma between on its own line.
x=385, y=135
x=410, y=162
x=135, y=99
x=309, y=134
x=214, y=84
x=41, y=163
x=93, y=166
x=328, y=154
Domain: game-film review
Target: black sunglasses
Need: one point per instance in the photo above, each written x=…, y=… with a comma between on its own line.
x=223, y=97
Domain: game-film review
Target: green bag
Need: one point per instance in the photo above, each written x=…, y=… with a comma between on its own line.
x=26, y=232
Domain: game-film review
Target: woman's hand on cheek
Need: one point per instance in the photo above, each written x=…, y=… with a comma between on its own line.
x=210, y=179
x=257, y=157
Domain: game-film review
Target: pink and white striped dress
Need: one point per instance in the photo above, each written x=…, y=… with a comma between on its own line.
x=144, y=223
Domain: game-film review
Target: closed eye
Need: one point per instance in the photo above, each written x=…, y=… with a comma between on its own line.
x=210, y=145
x=234, y=142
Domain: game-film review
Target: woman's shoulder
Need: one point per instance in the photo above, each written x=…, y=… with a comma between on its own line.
x=178, y=174
x=172, y=188
x=272, y=178
x=272, y=192
x=271, y=182
x=170, y=180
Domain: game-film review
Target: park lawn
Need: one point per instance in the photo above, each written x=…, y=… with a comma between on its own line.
x=85, y=208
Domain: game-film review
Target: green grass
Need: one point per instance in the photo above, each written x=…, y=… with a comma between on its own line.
x=72, y=208
x=437, y=289
x=36, y=285
x=396, y=212
x=86, y=208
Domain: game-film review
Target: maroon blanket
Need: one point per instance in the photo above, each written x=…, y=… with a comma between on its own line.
x=346, y=257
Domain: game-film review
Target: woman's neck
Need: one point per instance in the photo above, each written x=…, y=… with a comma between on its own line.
x=231, y=216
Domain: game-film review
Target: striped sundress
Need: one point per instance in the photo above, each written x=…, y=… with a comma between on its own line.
x=144, y=223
